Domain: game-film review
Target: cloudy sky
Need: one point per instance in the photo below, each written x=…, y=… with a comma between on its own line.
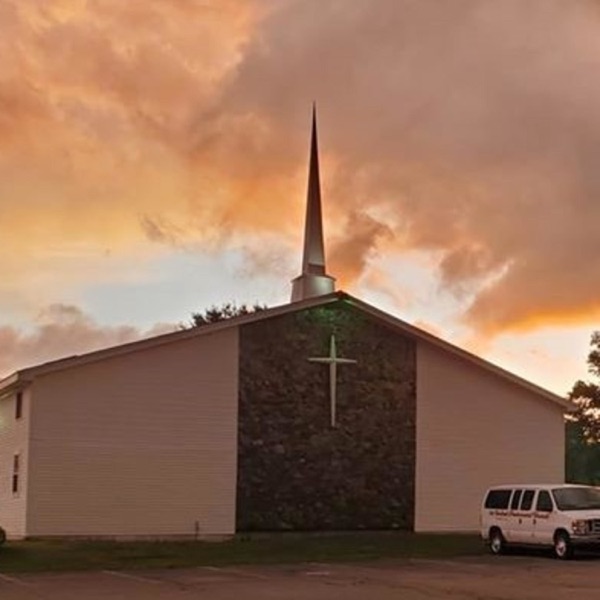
x=153, y=162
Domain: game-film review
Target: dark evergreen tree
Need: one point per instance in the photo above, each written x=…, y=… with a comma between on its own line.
x=221, y=313
x=583, y=424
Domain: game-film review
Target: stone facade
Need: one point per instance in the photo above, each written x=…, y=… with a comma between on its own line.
x=296, y=472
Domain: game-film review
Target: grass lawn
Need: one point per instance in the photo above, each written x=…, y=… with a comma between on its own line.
x=55, y=555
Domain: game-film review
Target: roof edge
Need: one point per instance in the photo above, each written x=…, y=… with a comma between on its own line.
x=26, y=375
x=10, y=384
x=460, y=352
x=29, y=373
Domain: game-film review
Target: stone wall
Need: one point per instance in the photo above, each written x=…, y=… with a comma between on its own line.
x=294, y=470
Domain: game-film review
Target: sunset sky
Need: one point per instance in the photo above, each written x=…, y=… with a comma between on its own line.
x=153, y=162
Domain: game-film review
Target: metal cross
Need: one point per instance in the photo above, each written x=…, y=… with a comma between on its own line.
x=333, y=361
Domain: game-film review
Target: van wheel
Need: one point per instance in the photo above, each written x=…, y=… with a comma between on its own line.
x=497, y=543
x=563, y=549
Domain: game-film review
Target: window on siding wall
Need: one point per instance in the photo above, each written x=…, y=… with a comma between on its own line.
x=19, y=405
x=15, y=473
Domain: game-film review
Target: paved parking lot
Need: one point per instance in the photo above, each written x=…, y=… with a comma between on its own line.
x=494, y=578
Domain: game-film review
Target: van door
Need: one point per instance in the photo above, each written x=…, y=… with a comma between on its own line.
x=513, y=516
x=496, y=510
x=544, y=518
x=523, y=519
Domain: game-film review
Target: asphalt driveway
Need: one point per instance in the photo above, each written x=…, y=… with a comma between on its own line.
x=497, y=578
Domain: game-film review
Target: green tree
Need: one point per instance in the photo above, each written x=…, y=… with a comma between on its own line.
x=583, y=424
x=221, y=313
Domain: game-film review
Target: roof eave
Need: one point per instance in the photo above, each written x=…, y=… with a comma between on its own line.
x=28, y=374
x=476, y=360
x=21, y=378
x=13, y=383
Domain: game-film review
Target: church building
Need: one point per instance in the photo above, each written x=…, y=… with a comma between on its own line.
x=322, y=414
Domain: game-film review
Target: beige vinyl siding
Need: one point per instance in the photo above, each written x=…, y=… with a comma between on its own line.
x=474, y=430
x=141, y=444
x=13, y=440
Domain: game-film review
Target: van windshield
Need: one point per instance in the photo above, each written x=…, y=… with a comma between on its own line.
x=577, y=498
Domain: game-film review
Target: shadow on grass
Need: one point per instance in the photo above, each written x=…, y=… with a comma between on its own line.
x=61, y=555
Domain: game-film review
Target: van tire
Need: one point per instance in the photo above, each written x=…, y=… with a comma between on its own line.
x=497, y=542
x=563, y=548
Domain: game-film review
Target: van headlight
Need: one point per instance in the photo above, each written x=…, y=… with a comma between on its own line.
x=579, y=527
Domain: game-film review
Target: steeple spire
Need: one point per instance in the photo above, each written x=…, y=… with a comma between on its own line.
x=313, y=280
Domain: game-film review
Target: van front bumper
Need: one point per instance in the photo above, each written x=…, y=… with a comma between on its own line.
x=592, y=541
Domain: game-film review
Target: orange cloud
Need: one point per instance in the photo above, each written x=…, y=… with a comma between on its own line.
x=455, y=122
x=356, y=243
x=63, y=330
x=97, y=104
x=467, y=130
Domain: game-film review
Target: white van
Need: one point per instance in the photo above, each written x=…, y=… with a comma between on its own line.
x=561, y=517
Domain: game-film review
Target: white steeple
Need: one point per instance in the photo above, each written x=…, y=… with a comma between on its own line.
x=313, y=281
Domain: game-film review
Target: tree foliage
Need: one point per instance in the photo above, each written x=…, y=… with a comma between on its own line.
x=226, y=311
x=583, y=424
x=586, y=397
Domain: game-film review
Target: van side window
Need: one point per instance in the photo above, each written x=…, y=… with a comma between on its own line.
x=514, y=503
x=497, y=499
x=544, y=502
x=527, y=499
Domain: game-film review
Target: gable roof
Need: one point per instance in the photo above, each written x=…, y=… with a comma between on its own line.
x=24, y=376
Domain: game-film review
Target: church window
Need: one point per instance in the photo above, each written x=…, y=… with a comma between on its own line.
x=19, y=405
x=15, y=474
